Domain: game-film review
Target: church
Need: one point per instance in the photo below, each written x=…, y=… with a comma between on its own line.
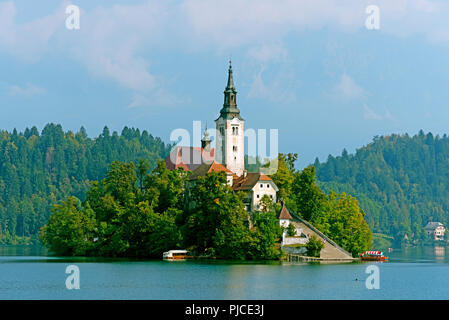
x=228, y=156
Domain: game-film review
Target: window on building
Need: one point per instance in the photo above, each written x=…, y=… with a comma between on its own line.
x=268, y=185
x=261, y=185
x=258, y=196
x=234, y=148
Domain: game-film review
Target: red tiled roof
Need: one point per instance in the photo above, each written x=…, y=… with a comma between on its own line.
x=205, y=168
x=264, y=177
x=215, y=167
x=188, y=158
x=285, y=214
x=248, y=182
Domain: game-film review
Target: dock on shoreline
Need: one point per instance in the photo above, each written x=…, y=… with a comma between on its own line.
x=301, y=258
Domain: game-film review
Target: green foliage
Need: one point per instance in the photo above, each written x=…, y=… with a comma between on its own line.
x=266, y=235
x=400, y=181
x=291, y=230
x=217, y=222
x=314, y=246
x=308, y=196
x=70, y=230
x=285, y=175
x=39, y=169
x=123, y=217
x=337, y=216
x=130, y=220
x=343, y=222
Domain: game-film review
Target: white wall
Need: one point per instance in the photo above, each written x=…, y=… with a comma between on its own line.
x=233, y=160
x=261, y=191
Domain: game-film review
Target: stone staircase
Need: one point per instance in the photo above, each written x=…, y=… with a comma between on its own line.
x=331, y=250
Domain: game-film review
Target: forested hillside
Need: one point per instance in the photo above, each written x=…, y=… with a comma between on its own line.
x=401, y=182
x=37, y=169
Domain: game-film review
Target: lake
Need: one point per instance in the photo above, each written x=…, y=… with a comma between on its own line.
x=412, y=273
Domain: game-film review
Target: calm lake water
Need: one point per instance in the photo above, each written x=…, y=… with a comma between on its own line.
x=413, y=273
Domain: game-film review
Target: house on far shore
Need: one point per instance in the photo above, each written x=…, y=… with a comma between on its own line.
x=435, y=230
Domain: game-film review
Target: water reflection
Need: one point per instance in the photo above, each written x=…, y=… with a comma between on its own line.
x=23, y=250
x=420, y=254
x=440, y=253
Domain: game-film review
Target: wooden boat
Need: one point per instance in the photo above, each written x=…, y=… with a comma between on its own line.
x=177, y=255
x=373, y=256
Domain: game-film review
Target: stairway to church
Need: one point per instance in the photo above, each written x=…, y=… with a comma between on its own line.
x=330, y=251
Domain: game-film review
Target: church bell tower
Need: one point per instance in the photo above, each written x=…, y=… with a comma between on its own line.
x=230, y=140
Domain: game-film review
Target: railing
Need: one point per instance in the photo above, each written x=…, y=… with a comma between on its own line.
x=294, y=215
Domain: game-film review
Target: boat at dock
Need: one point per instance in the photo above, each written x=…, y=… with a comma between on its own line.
x=178, y=255
x=373, y=256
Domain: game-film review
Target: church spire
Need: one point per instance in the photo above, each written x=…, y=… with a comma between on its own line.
x=230, y=109
x=230, y=85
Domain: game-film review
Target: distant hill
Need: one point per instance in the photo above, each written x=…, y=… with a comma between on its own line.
x=39, y=168
x=402, y=182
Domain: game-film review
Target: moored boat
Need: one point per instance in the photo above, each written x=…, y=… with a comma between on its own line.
x=373, y=256
x=177, y=255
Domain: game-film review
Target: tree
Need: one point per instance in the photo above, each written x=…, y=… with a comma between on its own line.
x=266, y=236
x=343, y=222
x=308, y=196
x=284, y=176
x=149, y=233
x=166, y=187
x=38, y=170
x=141, y=171
x=218, y=221
x=291, y=230
x=266, y=204
x=314, y=246
x=70, y=229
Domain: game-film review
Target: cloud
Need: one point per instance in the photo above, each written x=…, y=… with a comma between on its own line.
x=30, y=40
x=112, y=43
x=348, y=89
x=268, y=53
x=233, y=23
x=158, y=98
x=116, y=41
x=369, y=114
x=27, y=90
x=275, y=90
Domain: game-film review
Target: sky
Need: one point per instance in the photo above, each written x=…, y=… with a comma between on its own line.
x=311, y=69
